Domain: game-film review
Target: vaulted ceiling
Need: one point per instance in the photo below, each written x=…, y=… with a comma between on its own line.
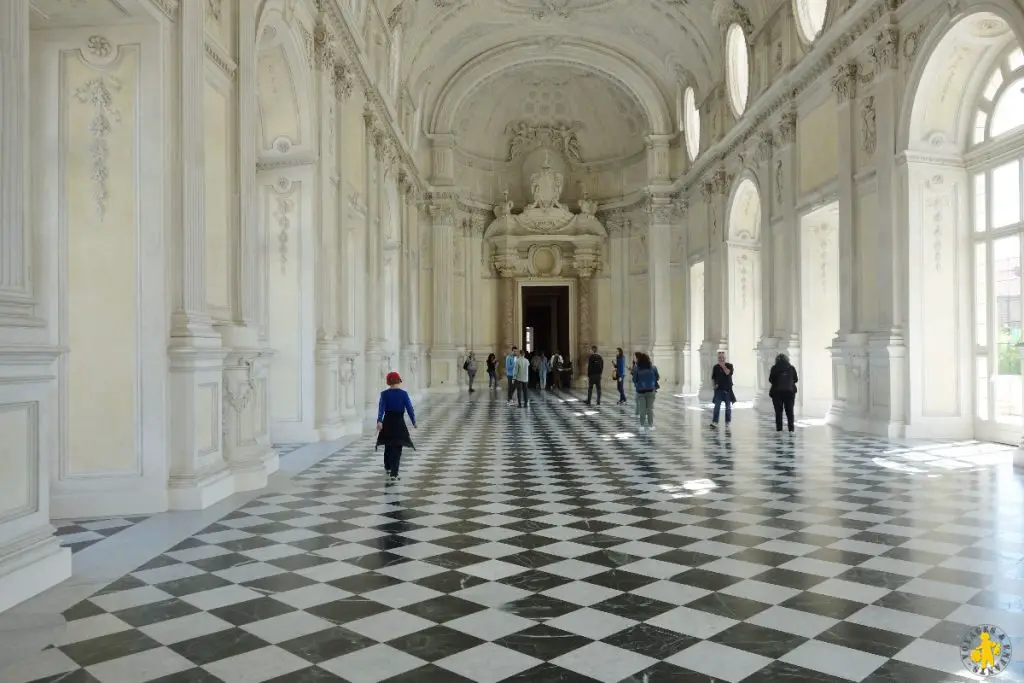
x=455, y=51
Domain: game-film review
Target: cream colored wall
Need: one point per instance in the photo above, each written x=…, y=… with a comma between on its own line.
x=866, y=257
x=817, y=136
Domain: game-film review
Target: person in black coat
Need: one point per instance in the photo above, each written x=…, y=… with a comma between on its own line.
x=721, y=380
x=783, y=378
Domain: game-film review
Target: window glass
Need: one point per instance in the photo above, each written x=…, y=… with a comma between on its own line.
x=810, y=17
x=980, y=206
x=692, y=123
x=738, y=68
x=1008, y=112
x=1006, y=274
x=1006, y=195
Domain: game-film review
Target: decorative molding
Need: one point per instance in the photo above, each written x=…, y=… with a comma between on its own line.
x=282, y=210
x=765, y=146
x=99, y=93
x=563, y=138
x=219, y=56
x=99, y=47
x=778, y=182
x=214, y=9
x=786, y=130
x=323, y=47
x=239, y=402
x=869, y=135
x=844, y=82
x=885, y=53
x=343, y=81
x=938, y=201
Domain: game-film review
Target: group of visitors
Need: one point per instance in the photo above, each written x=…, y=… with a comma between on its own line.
x=393, y=434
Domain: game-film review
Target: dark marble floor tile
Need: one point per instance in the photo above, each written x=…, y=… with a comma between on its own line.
x=431, y=673
x=79, y=676
x=823, y=605
x=198, y=675
x=633, y=606
x=443, y=608
x=539, y=607
x=702, y=578
x=216, y=646
x=866, y=639
x=152, y=613
x=95, y=650
x=249, y=611
x=651, y=641
x=365, y=582
x=296, y=562
x=82, y=610
x=917, y=604
x=730, y=606
x=535, y=581
x=435, y=643
x=347, y=609
x=279, y=583
x=322, y=646
x=193, y=584
x=766, y=642
x=543, y=642
x=789, y=578
x=781, y=672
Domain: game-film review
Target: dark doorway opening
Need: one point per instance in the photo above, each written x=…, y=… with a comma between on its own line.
x=546, y=319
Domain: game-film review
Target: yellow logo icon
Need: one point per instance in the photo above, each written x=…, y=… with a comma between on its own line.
x=986, y=650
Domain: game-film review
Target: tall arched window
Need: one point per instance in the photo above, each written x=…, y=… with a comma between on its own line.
x=691, y=121
x=998, y=222
x=737, y=69
x=810, y=17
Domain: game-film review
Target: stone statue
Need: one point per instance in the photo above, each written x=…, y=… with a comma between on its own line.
x=587, y=205
x=504, y=208
x=546, y=186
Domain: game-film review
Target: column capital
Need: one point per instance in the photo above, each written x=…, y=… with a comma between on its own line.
x=660, y=208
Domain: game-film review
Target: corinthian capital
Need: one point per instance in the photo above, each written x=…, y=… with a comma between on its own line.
x=661, y=209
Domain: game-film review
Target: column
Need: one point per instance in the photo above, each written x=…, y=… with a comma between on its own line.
x=716, y=279
x=31, y=559
x=327, y=357
x=507, y=310
x=409, y=276
x=198, y=475
x=849, y=363
x=247, y=447
x=661, y=213
x=618, y=269
x=887, y=351
x=348, y=281
x=584, y=331
x=374, y=143
x=443, y=356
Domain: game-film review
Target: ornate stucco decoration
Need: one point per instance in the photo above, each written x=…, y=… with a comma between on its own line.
x=844, y=83
x=323, y=47
x=765, y=145
x=869, y=135
x=546, y=237
x=525, y=137
x=99, y=94
x=785, y=134
x=731, y=12
x=344, y=81
x=885, y=53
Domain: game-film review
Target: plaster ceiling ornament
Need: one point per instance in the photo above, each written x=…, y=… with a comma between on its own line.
x=525, y=137
x=548, y=9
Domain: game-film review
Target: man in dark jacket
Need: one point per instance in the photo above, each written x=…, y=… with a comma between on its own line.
x=595, y=366
x=721, y=380
x=783, y=379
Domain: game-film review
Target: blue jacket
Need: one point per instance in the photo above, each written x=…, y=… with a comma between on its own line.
x=394, y=400
x=646, y=379
x=620, y=366
x=510, y=365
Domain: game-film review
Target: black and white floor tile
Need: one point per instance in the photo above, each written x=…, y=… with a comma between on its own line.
x=79, y=535
x=556, y=545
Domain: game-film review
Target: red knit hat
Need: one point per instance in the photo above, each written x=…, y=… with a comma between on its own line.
x=393, y=378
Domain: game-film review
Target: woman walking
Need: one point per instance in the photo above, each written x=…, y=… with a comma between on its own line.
x=620, y=374
x=645, y=380
x=783, y=379
x=391, y=430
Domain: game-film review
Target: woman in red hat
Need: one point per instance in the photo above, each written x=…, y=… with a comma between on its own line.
x=391, y=430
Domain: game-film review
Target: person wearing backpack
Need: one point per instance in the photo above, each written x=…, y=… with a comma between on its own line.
x=783, y=379
x=595, y=368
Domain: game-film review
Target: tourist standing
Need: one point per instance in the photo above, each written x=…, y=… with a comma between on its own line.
x=620, y=374
x=722, y=381
x=783, y=379
x=392, y=432
x=646, y=382
x=557, y=362
x=510, y=371
x=470, y=367
x=522, y=379
x=595, y=368
x=492, y=371
x=543, y=368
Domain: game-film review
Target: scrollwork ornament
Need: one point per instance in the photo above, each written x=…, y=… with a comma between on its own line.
x=240, y=402
x=99, y=47
x=844, y=82
x=344, y=81
x=323, y=48
x=885, y=52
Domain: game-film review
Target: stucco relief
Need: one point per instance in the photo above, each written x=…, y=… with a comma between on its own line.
x=938, y=202
x=868, y=125
x=743, y=274
x=284, y=206
x=98, y=93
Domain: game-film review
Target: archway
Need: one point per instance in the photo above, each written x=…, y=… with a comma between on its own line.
x=819, y=300
x=743, y=263
x=964, y=143
x=285, y=180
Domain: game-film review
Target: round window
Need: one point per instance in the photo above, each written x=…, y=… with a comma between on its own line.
x=738, y=68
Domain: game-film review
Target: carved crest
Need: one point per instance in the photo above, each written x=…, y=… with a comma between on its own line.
x=525, y=137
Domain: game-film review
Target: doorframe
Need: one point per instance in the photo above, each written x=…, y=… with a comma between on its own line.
x=570, y=282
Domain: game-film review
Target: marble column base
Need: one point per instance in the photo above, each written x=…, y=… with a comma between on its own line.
x=328, y=390
x=31, y=564
x=665, y=358
x=444, y=368
x=200, y=491
x=708, y=354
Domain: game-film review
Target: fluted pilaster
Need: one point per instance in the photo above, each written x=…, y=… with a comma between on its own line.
x=15, y=235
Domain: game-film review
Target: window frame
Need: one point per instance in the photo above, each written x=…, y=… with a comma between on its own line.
x=802, y=18
x=739, y=97
x=692, y=123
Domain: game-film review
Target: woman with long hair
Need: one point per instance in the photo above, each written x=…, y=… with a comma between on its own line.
x=492, y=371
x=645, y=380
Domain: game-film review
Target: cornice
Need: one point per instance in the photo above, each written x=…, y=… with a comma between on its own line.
x=351, y=43
x=169, y=8
x=854, y=25
x=219, y=56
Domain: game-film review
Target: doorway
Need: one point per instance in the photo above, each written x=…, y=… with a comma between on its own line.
x=545, y=319
x=819, y=244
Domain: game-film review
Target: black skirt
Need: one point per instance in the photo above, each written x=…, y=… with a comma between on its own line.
x=393, y=431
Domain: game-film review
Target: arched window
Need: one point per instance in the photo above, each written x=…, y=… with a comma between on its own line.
x=1001, y=105
x=691, y=120
x=737, y=68
x=680, y=115
x=810, y=17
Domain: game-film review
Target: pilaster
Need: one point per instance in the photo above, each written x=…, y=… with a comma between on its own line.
x=443, y=354
x=716, y=279
x=372, y=284
x=661, y=213
x=618, y=269
x=31, y=559
x=247, y=447
x=198, y=475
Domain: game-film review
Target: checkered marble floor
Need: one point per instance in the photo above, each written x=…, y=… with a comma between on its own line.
x=555, y=545
x=79, y=535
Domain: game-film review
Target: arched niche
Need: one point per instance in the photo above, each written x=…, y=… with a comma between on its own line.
x=283, y=83
x=957, y=243
x=743, y=265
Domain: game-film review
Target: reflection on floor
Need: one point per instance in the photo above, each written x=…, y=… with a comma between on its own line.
x=555, y=544
x=79, y=535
